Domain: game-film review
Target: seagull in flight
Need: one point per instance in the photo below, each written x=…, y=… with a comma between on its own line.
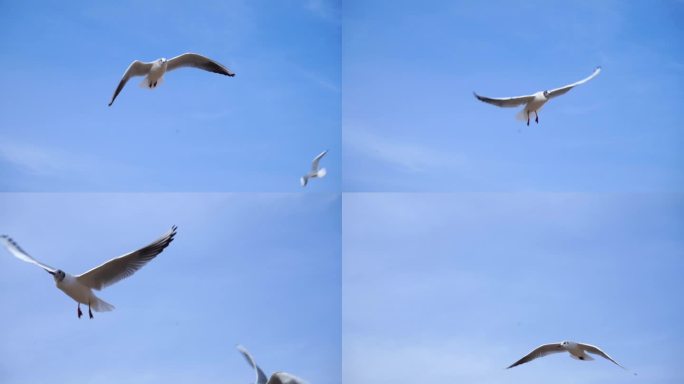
x=534, y=102
x=155, y=70
x=276, y=378
x=315, y=171
x=80, y=288
x=576, y=350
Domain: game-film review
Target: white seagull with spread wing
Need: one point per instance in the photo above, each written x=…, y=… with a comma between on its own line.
x=155, y=70
x=80, y=287
x=315, y=172
x=576, y=350
x=261, y=378
x=534, y=102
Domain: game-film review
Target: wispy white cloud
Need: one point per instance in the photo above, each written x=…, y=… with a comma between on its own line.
x=406, y=156
x=325, y=9
x=38, y=160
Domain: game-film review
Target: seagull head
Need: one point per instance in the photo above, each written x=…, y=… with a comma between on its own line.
x=162, y=60
x=546, y=94
x=58, y=275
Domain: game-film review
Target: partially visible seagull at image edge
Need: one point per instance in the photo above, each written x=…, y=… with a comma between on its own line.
x=155, y=70
x=577, y=351
x=315, y=172
x=80, y=287
x=261, y=378
x=533, y=103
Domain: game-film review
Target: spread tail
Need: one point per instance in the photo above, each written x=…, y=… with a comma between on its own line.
x=100, y=305
x=522, y=115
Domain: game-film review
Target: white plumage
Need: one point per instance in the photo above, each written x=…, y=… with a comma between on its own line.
x=576, y=350
x=80, y=287
x=155, y=70
x=315, y=171
x=534, y=102
x=261, y=378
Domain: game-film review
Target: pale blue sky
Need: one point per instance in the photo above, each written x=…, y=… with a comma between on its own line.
x=259, y=269
x=61, y=61
x=453, y=288
x=411, y=123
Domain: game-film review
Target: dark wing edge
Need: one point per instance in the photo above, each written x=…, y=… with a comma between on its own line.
x=540, y=351
x=597, y=351
x=126, y=265
x=137, y=68
x=19, y=253
x=505, y=102
x=198, y=61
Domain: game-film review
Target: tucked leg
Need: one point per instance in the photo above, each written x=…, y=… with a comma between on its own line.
x=90, y=313
x=79, y=311
x=528, y=118
x=536, y=117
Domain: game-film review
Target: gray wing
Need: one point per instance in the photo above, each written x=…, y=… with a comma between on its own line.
x=20, y=254
x=316, y=160
x=506, y=102
x=562, y=90
x=540, y=351
x=124, y=266
x=597, y=351
x=137, y=68
x=285, y=378
x=197, y=61
x=260, y=376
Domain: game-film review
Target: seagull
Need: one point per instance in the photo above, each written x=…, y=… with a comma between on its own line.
x=276, y=378
x=534, y=102
x=155, y=70
x=315, y=171
x=576, y=350
x=80, y=287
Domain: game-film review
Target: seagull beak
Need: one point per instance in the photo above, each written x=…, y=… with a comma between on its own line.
x=50, y=272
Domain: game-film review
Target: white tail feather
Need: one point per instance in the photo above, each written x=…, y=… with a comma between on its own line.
x=522, y=115
x=101, y=306
x=146, y=83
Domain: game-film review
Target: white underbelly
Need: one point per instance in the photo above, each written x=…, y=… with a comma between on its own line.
x=78, y=292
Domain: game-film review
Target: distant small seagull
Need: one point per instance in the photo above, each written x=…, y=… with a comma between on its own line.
x=315, y=171
x=534, y=102
x=80, y=287
x=577, y=351
x=276, y=378
x=155, y=70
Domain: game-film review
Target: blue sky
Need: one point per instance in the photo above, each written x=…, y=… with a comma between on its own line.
x=411, y=123
x=259, y=269
x=453, y=288
x=61, y=61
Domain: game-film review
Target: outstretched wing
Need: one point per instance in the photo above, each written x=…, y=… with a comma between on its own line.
x=597, y=351
x=316, y=160
x=260, y=376
x=20, y=254
x=123, y=266
x=562, y=90
x=197, y=61
x=540, y=351
x=506, y=102
x=285, y=378
x=137, y=68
